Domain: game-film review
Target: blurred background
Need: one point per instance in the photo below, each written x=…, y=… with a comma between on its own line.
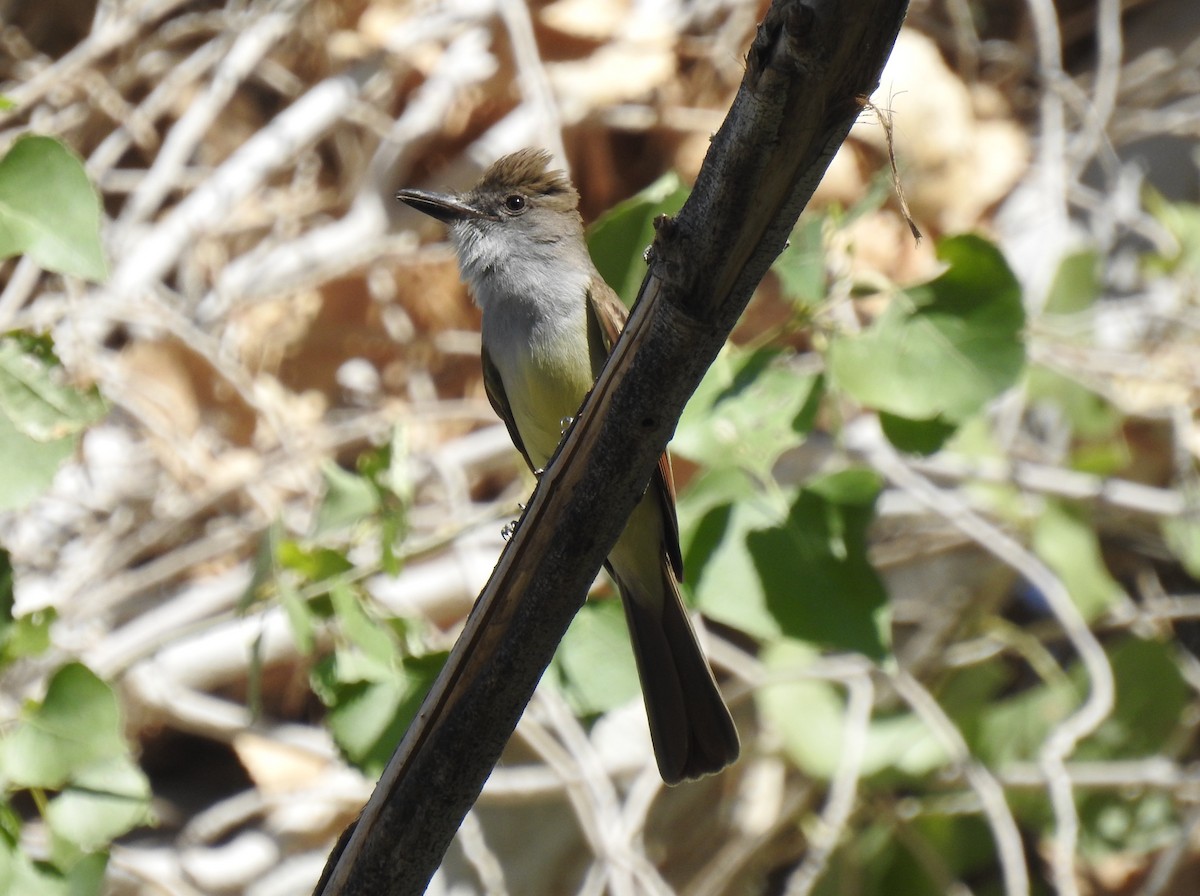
x=938, y=498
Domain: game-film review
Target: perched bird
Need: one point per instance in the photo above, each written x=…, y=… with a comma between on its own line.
x=549, y=322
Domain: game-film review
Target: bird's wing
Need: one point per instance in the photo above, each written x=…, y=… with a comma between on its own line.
x=606, y=319
x=493, y=385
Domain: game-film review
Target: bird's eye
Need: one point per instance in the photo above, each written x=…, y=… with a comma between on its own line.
x=515, y=203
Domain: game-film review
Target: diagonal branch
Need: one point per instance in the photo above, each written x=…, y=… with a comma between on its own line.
x=810, y=68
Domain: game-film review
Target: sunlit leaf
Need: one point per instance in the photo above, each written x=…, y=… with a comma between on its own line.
x=35, y=394
x=29, y=465
x=717, y=513
x=809, y=715
x=76, y=726
x=1068, y=544
x=313, y=563
x=801, y=267
x=359, y=627
x=595, y=660
x=49, y=209
x=749, y=408
x=944, y=349
x=348, y=498
x=819, y=584
x=41, y=418
x=1076, y=284
x=105, y=801
x=19, y=875
x=370, y=704
x=301, y=619
x=1182, y=221
x=620, y=237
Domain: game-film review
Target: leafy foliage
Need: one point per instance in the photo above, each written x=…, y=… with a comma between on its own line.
x=619, y=239
x=42, y=417
x=50, y=212
x=940, y=351
x=778, y=524
x=49, y=209
x=70, y=743
x=66, y=754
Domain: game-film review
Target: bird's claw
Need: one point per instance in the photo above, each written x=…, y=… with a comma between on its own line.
x=510, y=528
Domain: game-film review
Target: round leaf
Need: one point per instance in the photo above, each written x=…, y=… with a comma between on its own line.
x=49, y=209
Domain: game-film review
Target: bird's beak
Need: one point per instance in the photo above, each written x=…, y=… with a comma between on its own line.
x=443, y=206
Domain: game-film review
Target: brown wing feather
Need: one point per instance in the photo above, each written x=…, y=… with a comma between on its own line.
x=606, y=319
x=493, y=385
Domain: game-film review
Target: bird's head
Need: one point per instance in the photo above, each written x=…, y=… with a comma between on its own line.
x=520, y=212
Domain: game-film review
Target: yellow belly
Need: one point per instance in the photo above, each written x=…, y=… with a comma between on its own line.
x=544, y=396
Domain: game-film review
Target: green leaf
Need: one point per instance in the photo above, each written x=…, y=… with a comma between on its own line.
x=1115, y=824
x=819, y=584
x=903, y=744
x=315, y=564
x=86, y=877
x=922, y=437
x=364, y=632
x=620, y=237
x=347, y=500
x=749, y=408
x=301, y=619
x=1098, y=443
x=35, y=395
x=41, y=418
x=106, y=800
x=76, y=726
x=1076, y=284
x=944, y=349
x=1150, y=715
x=1182, y=533
x=1068, y=545
x=1015, y=729
x=716, y=515
x=1091, y=415
x=26, y=636
x=800, y=267
x=29, y=465
x=385, y=468
x=809, y=714
x=1126, y=823
x=919, y=853
x=7, y=596
x=264, y=571
x=49, y=210
x=1147, y=720
x=371, y=705
x=19, y=875
x=595, y=662
x=1182, y=221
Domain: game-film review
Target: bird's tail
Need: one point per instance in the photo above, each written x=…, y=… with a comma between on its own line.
x=690, y=726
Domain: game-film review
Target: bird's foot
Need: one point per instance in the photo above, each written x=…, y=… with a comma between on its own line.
x=510, y=528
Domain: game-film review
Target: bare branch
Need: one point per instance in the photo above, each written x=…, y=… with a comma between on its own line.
x=809, y=70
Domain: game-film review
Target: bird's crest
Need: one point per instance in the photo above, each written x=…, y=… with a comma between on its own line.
x=528, y=170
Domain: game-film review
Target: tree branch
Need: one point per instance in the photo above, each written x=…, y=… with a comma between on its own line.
x=809, y=70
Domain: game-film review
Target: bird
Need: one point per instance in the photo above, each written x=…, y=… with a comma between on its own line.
x=549, y=321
